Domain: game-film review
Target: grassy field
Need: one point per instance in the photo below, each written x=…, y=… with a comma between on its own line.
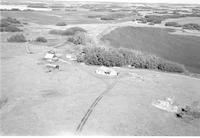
x=53, y=17
x=38, y=100
x=184, y=20
x=182, y=49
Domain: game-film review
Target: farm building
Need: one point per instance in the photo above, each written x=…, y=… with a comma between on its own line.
x=106, y=71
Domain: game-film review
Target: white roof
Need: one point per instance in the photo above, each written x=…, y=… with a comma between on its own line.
x=106, y=71
x=49, y=56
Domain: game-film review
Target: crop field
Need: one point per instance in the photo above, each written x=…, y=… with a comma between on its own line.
x=182, y=49
x=184, y=20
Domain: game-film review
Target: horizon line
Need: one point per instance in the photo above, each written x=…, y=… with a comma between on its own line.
x=135, y=1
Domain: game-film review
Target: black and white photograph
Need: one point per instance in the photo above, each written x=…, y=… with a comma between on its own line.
x=100, y=68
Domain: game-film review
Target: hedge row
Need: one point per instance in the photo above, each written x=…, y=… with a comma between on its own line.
x=70, y=31
x=9, y=25
x=121, y=57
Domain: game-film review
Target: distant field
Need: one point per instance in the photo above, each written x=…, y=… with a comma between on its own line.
x=184, y=20
x=182, y=49
x=47, y=18
x=53, y=17
x=35, y=17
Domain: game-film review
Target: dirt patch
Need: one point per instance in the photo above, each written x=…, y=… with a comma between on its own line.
x=189, y=112
x=49, y=93
x=6, y=58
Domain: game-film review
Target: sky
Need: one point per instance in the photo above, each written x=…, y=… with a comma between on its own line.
x=144, y=1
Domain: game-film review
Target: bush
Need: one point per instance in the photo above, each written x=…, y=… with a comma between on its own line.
x=41, y=39
x=73, y=30
x=114, y=16
x=121, y=57
x=107, y=18
x=17, y=38
x=151, y=23
x=70, y=31
x=170, y=30
x=15, y=9
x=94, y=16
x=4, y=23
x=174, y=24
x=37, y=5
x=157, y=19
x=78, y=39
x=154, y=19
x=10, y=20
x=9, y=25
x=171, y=66
x=192, y=26
x=10, y=28
x=56, y=31
x=61, y=24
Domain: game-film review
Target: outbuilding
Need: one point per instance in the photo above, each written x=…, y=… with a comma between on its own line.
x=106, y=71
x=50, y=55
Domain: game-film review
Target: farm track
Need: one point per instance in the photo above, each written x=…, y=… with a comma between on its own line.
x=97, y=100
x=92, y=107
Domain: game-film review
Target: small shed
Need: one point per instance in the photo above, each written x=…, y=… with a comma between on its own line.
x=71, y=57
x=106, y=71
x=50, y=55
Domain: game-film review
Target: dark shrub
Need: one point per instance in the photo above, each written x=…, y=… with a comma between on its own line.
x=70, y=31
x=56, y=31
x=174, y=24
x=3, y=101
x=10, y=28
x=9, y=25
x=171, y=66
x=1, y=29
x=61, y=24
x=113, y=57
x=28, y=10
x=25, y=23
x=73, y=30
x=37, y=5
x=157, y=19
x=94, y=16
x=11, y=20
x=121, y=57
x=151, y=23
x=17, y=38
x=78, y=39
x=15, y=9
x=170, y=30
x=154, y=19
x=114, y=16
x=191, y=26
x=4, y=23
x=41, y=39
x=107, y=18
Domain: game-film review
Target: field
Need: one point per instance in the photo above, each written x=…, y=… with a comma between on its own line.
x=70, y=17
x=182, y=49
x=41, y=103
x=62, y=95
x=184, y=20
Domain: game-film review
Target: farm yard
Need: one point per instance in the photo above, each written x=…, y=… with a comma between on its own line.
x=100, y=69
